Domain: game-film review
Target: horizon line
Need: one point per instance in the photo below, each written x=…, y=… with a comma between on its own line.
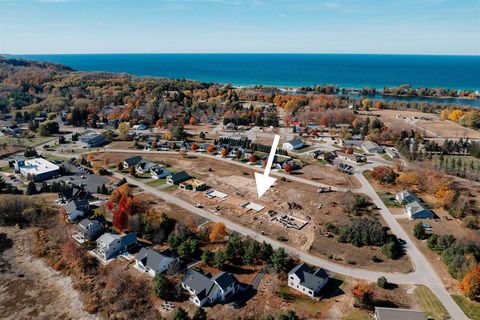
x=243, y=53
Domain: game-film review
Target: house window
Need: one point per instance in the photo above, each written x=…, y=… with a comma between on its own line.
x=310, y=292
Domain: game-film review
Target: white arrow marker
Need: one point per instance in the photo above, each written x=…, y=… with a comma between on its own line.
x=263, y=181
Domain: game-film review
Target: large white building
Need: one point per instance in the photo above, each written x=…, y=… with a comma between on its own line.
x=37, y=169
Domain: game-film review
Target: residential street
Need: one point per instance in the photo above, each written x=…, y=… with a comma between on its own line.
x=423, y=273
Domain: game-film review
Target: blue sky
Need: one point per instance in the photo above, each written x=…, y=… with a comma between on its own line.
x=304, y=26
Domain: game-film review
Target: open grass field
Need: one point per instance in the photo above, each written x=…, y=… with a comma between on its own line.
x=430, y=303
x=471, y=309
x=435, y=127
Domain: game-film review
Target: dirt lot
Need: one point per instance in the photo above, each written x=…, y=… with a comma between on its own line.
x=435, y=126
x=286, y=197
x=28, y=288
x=323, y=174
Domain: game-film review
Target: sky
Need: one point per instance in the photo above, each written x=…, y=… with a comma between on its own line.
x=240, y=26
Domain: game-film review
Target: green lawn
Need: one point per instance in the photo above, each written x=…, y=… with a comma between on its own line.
x=156, y=182
x=389, y=200
x=471, y=308
x=5, y=168
x=387, y=157
x=430, y=303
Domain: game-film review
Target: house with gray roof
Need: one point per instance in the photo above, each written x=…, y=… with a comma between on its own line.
x=131, y=162
x=144, y=166
x=110, y=245
x=153, y=262
x=382, y=313
x=416, y=210
x=204, y=289
x=76, y=208
x=93, y=140
x=178, y=177
x=89, y=230
x=159, y=172
x=293, y=144
x=371, y=147
x=405, y=196
x=307, y=280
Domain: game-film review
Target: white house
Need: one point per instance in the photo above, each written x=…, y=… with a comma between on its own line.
x=153, y=262
x=131, y=162
x=204, y=290
x=110, y=245
x=404, y=197
x=392, y=153
x=371, y=147
x=306, y=280
x=159, y=172
x=293, y=144
x=415, y=210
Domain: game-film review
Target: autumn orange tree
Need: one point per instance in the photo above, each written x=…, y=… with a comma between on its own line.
x=407, y=178
x=470, y=284
x=194, y=146
x=362, y=293
x=224, y=152
x=159, y=123
x=252, y=158
x=192, y=120
x=288, y=168
x=384, y=175
x=445, y=195
x=217, y=232
x=210, y=148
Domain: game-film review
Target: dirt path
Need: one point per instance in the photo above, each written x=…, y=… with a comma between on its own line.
x=29, y=289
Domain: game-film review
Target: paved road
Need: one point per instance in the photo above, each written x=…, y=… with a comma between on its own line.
x=423, y=273
x=237, y=163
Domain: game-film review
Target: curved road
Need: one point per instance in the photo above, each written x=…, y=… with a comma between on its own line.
x=424, y=273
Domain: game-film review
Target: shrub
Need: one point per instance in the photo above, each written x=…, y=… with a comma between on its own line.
x=419, y=231
x=382, y=282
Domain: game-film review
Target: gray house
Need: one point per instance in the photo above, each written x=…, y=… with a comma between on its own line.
x=398, y=314
x=153, y=262
x=77, y=208
x=90, y=230
x=306, y=280
x=371, y=147
x=204, y=289
x=178, y=177
x=144, y=166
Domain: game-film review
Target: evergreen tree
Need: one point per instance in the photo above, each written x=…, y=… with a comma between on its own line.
x=200, y=314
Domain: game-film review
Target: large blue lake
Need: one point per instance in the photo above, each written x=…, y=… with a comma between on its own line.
x=291, y=70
